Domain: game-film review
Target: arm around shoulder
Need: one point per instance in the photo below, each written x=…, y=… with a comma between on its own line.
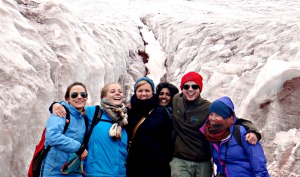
x=249, y=127
x=57, y=109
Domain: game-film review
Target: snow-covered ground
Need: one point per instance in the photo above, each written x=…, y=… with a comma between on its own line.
x=248, y=50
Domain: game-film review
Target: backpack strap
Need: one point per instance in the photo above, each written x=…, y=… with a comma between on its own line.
x=68, y=118
x=96, y=119
x=249, y=126
x=237, y=134
x=65, y=127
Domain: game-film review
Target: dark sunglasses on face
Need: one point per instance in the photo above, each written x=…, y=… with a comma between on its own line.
x=194, y=86
x=75, y=94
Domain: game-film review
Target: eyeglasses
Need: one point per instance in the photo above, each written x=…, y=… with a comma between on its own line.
x=75, y=94
x=194, y=86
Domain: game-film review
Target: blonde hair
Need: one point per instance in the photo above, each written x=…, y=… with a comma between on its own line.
x=142, y=82
x=104, y=89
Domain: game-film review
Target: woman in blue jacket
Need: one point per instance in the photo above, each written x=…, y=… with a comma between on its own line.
x=232, y=159
x=63, y=145
x=107, y=145
x=108, y=153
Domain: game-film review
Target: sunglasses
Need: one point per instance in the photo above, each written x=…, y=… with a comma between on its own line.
x=75, y=94
x=194, y=86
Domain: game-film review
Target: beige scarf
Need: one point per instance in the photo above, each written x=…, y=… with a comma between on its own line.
x=118, y=114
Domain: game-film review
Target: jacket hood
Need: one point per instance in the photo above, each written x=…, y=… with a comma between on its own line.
x=228, y=102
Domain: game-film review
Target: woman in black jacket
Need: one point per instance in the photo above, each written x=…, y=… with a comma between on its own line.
x=151, y=146
x=165, y=92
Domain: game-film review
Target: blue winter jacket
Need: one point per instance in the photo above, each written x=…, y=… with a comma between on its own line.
x=62, y=145
x=246, y=161
x=106, y=157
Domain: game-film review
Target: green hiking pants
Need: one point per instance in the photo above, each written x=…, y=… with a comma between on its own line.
x=186, y=168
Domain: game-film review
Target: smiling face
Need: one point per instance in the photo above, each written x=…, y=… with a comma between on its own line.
x=79, y=101
x=164, y=97
x=114, y=94
x=144, y=91
x=190, y=94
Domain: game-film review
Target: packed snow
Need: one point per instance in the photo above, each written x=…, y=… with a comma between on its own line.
x=248, y=50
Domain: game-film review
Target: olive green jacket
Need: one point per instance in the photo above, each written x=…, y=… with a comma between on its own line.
x=188, y=117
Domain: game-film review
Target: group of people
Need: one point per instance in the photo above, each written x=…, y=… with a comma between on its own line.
x=161, y=133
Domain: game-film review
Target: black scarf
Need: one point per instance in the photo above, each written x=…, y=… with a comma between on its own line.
x=143, y=107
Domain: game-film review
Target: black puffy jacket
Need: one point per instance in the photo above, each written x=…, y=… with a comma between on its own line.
x=152, y=147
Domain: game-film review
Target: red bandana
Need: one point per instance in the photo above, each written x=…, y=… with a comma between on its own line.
x=218, y=131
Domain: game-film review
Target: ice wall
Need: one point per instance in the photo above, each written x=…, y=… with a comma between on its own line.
x=43, y=49
x=248, y=50
x=250, y=53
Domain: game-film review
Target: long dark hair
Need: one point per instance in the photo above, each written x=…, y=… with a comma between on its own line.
x=172, y=88
x=67, y=94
